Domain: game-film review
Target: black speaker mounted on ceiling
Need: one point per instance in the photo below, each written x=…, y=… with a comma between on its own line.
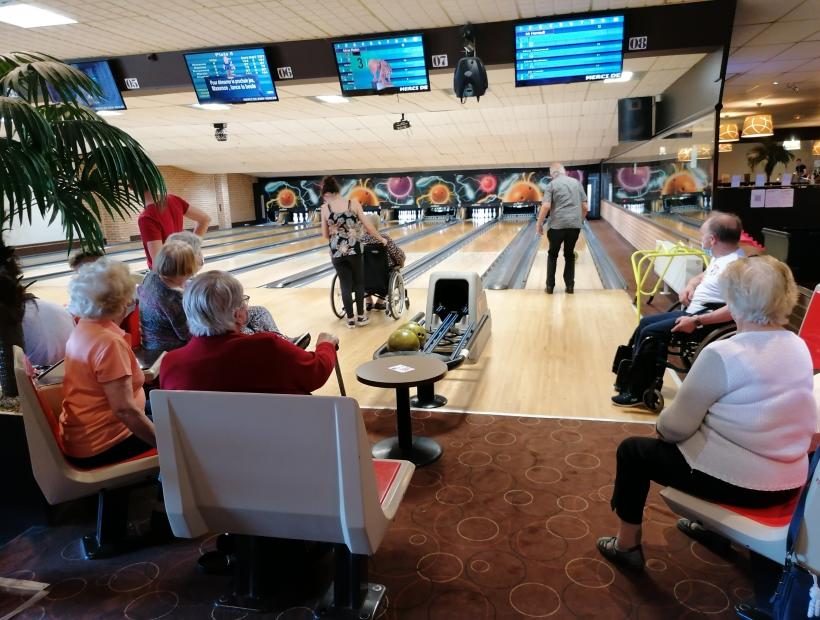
x=635, y=119
x=470, y=77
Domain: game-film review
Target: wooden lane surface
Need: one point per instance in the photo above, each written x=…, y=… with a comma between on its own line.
x=477, y=255
x=264, y=275
x=413, y=250
x=544, y=357
x=240, y=242
x=586, y=275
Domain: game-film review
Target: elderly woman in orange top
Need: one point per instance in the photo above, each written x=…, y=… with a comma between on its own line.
x=103, y=419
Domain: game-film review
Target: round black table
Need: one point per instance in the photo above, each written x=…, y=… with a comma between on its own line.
x=401, y=372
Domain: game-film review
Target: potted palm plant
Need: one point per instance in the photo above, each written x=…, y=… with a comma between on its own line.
x=769, y=152
x=60, y=159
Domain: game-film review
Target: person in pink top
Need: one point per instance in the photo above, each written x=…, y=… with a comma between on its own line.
x=158, y=221
x=103, y=418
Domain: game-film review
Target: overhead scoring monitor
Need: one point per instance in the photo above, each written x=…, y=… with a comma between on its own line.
x=386, y=64
x=100, y=73
x=231, y=76
x=569, y=50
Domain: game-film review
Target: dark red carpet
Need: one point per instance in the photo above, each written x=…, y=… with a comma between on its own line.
x=503, y=526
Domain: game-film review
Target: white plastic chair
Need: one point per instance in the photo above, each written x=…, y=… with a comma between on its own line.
x=267, y=465
x=60, y=481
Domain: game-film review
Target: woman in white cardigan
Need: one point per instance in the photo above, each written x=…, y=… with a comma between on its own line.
x=740, y=427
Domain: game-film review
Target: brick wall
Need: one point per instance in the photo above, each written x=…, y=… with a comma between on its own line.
x=226, y=198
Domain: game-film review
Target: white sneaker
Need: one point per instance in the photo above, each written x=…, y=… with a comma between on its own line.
x=362, y=320
x=351, y=324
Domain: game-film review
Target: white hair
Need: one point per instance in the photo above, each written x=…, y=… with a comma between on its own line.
x=759, y=289
x=100, y=289
x=209, y=301
x=195, y=241
x=557, y=169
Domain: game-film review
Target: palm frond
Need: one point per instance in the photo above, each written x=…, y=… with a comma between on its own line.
x=25, y=182
x=46, y=81
x=23, y=122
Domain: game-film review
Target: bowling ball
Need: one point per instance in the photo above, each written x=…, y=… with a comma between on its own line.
x=400, y=187
x=680, y=183
x=417, y=329
x=439, y=194
x=576, y=256
x=633, y=179
x=488, y=183
x=524, y=191
x=286, y=198
x=403, y=340
x=364, y=195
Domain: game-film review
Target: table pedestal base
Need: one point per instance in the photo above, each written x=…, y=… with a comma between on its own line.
x=423, y=452
x=427, y=398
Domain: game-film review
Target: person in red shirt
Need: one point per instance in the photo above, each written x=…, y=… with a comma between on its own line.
x=158, y=221
x=220, y=358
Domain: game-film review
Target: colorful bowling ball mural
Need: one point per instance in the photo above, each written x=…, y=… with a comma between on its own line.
x=633, y=179
x=366, y=196
x=434, y=191
x=682, y=182
x=400, y=187
x=286, y=198
x=523, y=191
x=488, y=183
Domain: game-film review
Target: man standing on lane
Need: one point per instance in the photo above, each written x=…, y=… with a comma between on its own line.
x=566, y=204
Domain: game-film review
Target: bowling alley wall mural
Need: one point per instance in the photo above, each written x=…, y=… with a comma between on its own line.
x=423, y=190
x=650, y=181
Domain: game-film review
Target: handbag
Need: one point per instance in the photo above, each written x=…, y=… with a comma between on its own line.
x=797, y=596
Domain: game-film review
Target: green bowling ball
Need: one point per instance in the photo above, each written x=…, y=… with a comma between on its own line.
x=417, y=329
x=576, y=256
x=403, y=340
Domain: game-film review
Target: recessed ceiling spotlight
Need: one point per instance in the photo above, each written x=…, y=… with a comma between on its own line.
x=211, y=106
x=28, y=16
x=775, y=83
x=332, y=99
x=797, y=117
x=625, y=77
x=109, y=113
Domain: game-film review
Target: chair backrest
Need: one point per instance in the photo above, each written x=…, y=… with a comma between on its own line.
x=267, y=465
x=41, y=408
x=807, y=546
x=810, y=327
x=131, y=325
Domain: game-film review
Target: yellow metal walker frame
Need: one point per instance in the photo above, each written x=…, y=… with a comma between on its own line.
x=643, y=263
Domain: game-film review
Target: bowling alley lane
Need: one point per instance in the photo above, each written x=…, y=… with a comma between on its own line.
x=211, y=246
x=419, y=248
x=477, y=255
x=264, y=275
x=586, y=274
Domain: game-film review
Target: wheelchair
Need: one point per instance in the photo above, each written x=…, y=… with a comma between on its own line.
x=684, y=347
x=380, y=281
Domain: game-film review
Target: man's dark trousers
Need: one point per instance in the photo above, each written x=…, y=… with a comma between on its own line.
x=568, y=237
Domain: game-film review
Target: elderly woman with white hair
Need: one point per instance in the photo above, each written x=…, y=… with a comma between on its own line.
x=103, y=419
x=220, y=357
x=740, y=427
x=259, y=317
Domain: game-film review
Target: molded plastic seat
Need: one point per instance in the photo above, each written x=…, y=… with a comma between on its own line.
x=59, y=480
x=277, y=466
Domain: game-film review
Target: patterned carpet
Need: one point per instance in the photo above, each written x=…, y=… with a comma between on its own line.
x=502, y=526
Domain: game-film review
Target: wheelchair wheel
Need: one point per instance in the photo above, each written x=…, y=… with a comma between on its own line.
x=722, y=333
x=336, y=298
x=653, y=399
x=396, y=295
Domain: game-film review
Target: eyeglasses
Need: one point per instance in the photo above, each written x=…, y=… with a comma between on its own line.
x=245, y=299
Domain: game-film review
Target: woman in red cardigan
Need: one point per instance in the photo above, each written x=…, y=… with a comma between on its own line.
x=220, y=358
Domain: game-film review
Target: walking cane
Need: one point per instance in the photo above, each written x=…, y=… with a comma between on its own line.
x=339, y=376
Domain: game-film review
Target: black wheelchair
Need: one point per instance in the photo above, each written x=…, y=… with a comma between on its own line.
x=380, y=281
x=684, y=348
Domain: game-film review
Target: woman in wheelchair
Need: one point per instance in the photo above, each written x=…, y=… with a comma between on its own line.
x=740, y=427
x=395, y=258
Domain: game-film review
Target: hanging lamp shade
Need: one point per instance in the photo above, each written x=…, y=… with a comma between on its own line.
x=685, y=154
x=758, y=126
x=729, y=132
x=815, y=148
x=724, y=148
x=704, y=151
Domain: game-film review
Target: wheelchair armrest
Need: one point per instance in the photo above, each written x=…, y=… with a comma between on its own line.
x=301, y=341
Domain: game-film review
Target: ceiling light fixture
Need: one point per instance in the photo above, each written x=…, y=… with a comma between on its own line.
x=791, y=145
x=775, y=83
x=724, y=148
x=211, y=106
x=728, y=132
x=685, y=154
x=28, y=16
x=758, y=125
x=332, y=99
x=815, y=148
x=625, y=77
x=109, y=113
